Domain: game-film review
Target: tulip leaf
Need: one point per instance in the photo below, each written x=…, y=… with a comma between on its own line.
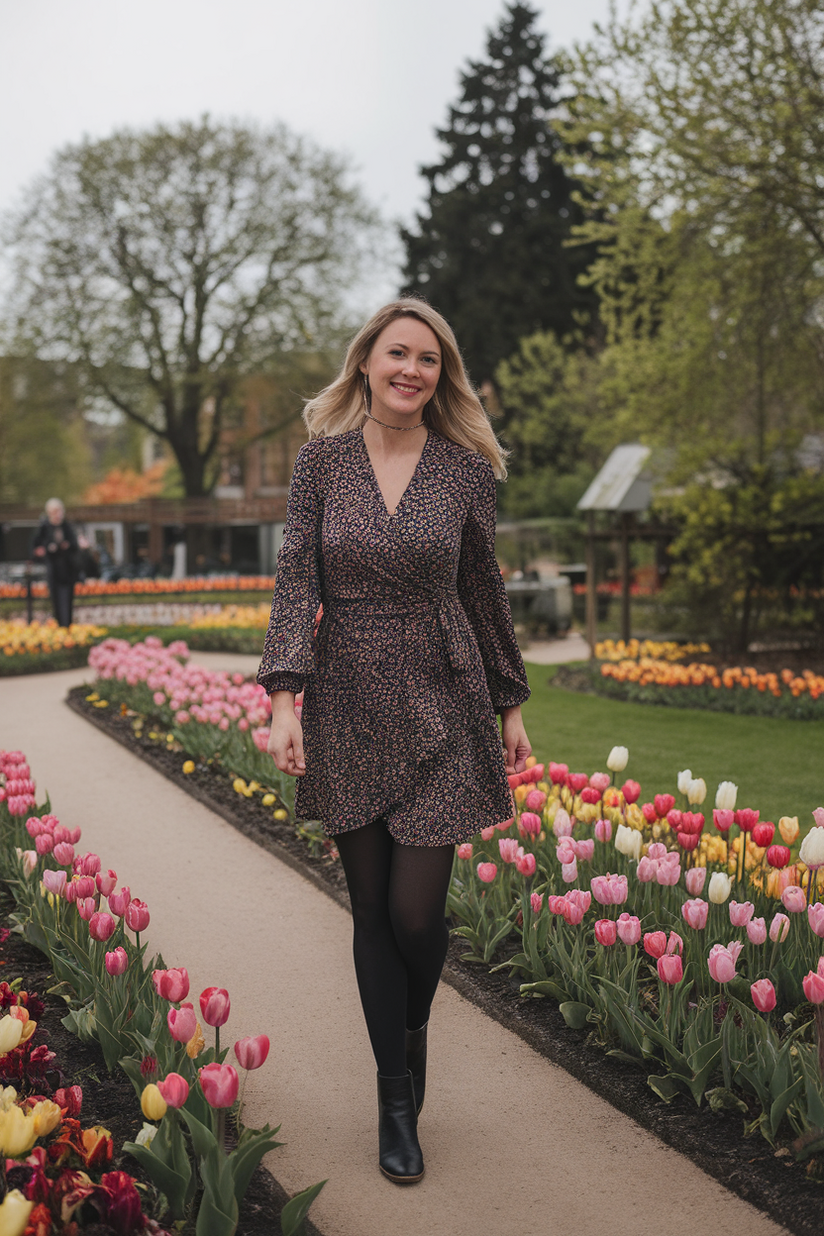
x=245, y=1159
x=723, y=1100
x=546, y=987
x=780, y=1105
x=574, y=1014
x=203, y=1139
x=171, y=1183
x=297, y=1208
x=665, y=1087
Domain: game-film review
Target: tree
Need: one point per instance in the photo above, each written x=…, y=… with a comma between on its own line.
x=45, y=450
x=491, y=250
x=170, y=264
x=706, y=128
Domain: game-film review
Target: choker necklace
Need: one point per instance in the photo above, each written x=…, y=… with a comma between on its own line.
x=400, y=428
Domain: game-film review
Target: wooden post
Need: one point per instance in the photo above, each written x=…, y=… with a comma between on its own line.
x=626, y=520
x=592, y=595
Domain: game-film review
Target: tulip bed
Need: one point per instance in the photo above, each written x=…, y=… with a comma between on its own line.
x=71, y=909
x=644, y=673
x=27, y=648
x=151, y=587
x=690, y=947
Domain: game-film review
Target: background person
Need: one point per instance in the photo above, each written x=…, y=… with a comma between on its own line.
x=56, y=544
x=391, y=526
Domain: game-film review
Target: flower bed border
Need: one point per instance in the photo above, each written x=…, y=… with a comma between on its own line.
x=747, y=1167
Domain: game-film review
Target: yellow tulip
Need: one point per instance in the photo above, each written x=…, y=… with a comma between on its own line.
x=46, y=1116
x=635, y=816
x=11, y=1032
x=152, y=1103
x=18, y=1132
x=8, y=1097
x=280, y=814
x=196, y=1043
x=268, y=799
x=188, y=767
x=521, y=792
x=14, y=1213
x=29, y=1028
x=788, y=827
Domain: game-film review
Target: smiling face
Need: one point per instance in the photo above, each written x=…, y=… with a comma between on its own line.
x=403, y=368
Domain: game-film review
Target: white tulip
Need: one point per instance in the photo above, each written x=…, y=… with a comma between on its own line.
x=726, y=795
x=812, y=849
x=720, y=887
x=684, y=779
x=628, y=841
x=146, y=1135
x=617, y=759
x=697, y=791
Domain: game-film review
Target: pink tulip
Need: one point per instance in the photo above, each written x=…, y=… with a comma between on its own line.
x=779, y=928
x=215, y=1005
x=669, y=871
x=219, y=1083
x=763, y=995
x=649, y=813
x=252, y=1051
x=70, y=891
x=137, y=915
x=629, y=929
x=564, y=852
x=741, y=913
x=85, y=886
x=603, y=830
x=117, y=962
x=670, y=969
x=86, y=907
x=746, y=818
x=525, y=864
x=793, y=899
x=558, y=773
x=647, y=869
x=505, y=824
x=606, y=931
x=569, y=871
x=106, y=883
x=584, y=850
x=465, y=850
x=536, y=901
x=577, y=781
x=171, y=985
x=815, y=915
x=695, y=913
x=609, y=890
x=813, y=986
x=508, y=848
x=572, y=911
x=562, y=824
x=694, y=880
x=44, y=843
x=34, y=826
x=119, y=901
x=535, y=800
x=723, y=820
x=64, y=853
x=655, y=943
x=101, y=926
x=631, y=791
x=488, y=833
x=721, y=962
x=663, y=804
x=487, y=872
x=54, y=882
x=599, y=781
x=174, y=1090
x=529, y=824
x=675, y=944
x=29, y=861
x=90, y=864
x=756, y=931
x=182, y=1022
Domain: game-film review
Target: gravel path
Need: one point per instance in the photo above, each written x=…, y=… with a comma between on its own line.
x=514, y=1146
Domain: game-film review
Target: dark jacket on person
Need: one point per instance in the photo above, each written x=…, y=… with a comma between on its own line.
x=60, y=544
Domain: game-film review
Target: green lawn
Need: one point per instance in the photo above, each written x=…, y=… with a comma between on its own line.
x=777, y=765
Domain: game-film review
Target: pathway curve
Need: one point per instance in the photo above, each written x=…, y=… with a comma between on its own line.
x=513, y=1145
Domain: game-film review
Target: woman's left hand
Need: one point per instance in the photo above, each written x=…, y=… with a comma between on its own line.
x=517, y=745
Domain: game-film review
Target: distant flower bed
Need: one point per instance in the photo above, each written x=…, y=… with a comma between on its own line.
x=151, y=587
x=27, y=648
x=254, y=617
x=652, y=673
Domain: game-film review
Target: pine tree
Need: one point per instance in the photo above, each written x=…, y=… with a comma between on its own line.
x=490, y=252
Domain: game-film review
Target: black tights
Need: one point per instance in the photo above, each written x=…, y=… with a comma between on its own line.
x=398, y=895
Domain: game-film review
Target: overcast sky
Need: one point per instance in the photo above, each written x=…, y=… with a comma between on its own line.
x=369, y=77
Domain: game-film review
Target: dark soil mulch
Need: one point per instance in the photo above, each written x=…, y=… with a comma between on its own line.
x=748, y=1166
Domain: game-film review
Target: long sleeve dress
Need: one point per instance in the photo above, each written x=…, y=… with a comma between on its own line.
x=415, y=652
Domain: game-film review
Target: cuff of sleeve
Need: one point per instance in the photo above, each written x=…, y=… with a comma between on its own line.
x=511, y=699
x=281, y=682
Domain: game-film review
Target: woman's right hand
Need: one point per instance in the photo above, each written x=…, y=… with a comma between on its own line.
x=286, y=736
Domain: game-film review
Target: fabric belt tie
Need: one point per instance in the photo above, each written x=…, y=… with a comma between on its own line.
x=444, y=607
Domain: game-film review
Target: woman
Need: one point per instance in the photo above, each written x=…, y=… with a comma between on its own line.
x=391, y=526
x=56, y=542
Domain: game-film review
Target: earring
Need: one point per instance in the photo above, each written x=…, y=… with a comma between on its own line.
x=367, y=394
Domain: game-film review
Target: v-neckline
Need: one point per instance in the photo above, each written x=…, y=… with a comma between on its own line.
x=374, y=475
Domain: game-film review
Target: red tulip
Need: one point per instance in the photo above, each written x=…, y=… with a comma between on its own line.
x=122, y=1205
x=182, y=1023
x=606, y=931
x=172, y=985
x=689, y=841
x=137, y=915
x=219, y=1083
x=649, y=813
x=590, y=795
x=174, y=1090
x=558, y=773
x=70, y=1098
x=106, y=883
x=85, y=907
x=525, y=864
x=670, y=969
x=631, y=791
x=763, y=995
x=101, y=926
x=252, y=1051
x=86, y=886
x=663, y=804
x=577, y=781
x=778, y=855
x=655, y=943
x=215, y=1006
x=763, y=833
x=746, y=818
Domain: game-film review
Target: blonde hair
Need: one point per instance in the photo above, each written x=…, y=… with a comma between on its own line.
x=454, y=411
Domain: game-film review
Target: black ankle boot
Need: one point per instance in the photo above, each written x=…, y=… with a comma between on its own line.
x=416, y=1062
x=400, y=1153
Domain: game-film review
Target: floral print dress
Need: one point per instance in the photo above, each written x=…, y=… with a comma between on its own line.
x=415, y=651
